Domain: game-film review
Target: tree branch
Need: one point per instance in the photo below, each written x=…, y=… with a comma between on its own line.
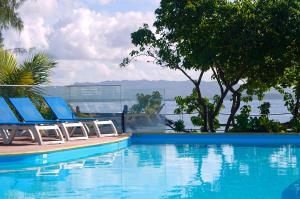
x=218, y=80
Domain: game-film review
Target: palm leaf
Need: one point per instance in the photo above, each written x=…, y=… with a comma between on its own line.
x=40, y=66
x=8, y=68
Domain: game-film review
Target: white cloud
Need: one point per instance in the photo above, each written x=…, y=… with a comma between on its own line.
x=70, y=71
x=87, y=34
x=89, y=44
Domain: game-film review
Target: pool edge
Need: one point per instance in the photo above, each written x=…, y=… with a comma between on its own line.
x=122, y=138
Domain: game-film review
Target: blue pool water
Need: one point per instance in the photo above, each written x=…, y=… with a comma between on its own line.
x=165, y=171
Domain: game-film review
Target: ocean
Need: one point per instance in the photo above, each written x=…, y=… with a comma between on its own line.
x=277, y=107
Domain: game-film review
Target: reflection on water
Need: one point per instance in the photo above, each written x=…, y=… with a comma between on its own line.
x=165, y=171
x=211, y=166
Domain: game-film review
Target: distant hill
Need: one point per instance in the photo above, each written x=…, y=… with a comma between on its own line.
x=169, y=89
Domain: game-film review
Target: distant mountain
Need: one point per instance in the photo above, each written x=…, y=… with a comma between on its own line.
x=169, y=89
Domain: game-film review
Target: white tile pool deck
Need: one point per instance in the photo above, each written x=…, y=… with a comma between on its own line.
x=25, y=146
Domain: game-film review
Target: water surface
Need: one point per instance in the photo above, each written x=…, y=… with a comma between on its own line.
x=165, y=171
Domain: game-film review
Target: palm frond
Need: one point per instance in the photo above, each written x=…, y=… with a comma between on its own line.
x=9, y=16
x=40, y=66
x=8, y=68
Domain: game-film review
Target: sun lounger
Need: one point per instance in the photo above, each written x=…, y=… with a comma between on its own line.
x=63, y=112
x=9, y=125
x=29, y=113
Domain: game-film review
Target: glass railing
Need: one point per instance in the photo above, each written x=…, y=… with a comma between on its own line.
x=131, y=110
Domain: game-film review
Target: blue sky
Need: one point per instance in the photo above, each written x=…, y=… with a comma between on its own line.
x=88, y=38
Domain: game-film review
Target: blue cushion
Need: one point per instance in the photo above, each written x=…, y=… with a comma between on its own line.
x=7, y=116
x=26, y=109
x=60, y=108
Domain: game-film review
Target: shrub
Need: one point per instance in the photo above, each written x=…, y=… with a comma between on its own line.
x=179, y=126
x=246, y=123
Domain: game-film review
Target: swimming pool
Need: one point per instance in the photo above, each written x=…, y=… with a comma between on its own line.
x=160, y=170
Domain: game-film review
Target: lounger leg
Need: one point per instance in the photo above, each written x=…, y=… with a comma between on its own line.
x=36, y=132
x=31, y=135
x=114, y=128
x=59, y=134
x=87, y=129
x=65, y=131
x=97, y=129
x=11, y=136
x=4, y=135
x=84, y=131
x=96, y=124
x=56, y=133
x=72, y=131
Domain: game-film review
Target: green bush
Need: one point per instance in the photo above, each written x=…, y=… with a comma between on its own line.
x=295, y=124
x=179, y=126
x=246, y=123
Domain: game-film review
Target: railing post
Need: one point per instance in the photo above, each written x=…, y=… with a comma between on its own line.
x=125, y=111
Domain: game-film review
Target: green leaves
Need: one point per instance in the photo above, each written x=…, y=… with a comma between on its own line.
x=9, y=17
x=190, y=105
x=249, y=45
x=39, y=65
x=32, y=72
x=179, y=126
x=246, y=123
x=10, y=73
x=149, y=104
x=265, y=109
x=143, y=37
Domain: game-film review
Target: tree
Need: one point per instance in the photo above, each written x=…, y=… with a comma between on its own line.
x=246, y=123
x=33, y=71
x=246, y=44
x=9, y=18
x=149, y=104
x=289, y=86
x=173, y=46
x=271, y=47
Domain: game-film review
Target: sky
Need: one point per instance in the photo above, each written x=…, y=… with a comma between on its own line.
x=88, y=38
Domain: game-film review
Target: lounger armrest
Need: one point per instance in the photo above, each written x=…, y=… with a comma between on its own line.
x=86, y=119
x=42, y=122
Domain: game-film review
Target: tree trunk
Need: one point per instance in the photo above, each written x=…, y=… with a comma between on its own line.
x=212, y=114
x=220, y=103
x=211, y=119
x=201, y=103
x=297, y=103
x=234, y=108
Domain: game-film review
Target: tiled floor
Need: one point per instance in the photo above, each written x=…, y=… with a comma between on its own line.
x=25, y=146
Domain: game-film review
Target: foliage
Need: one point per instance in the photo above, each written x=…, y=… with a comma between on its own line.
x=295, y=124
x=9, y=18
x=265, y=109
x=247, y=42
x=179, y=126
x=149, y=104
x=33, y=71
x=189, y=105
x=242, y=120
x=289, y=86
x=246, y=123
x=10, y=73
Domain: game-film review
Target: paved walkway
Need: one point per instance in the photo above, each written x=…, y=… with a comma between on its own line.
x=26, y=146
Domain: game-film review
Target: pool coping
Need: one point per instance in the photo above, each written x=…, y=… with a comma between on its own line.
x=66, y=148
x=129, y=135
x=207, y=133
x=266, y=139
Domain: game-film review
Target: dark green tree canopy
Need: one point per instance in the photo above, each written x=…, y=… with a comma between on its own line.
x=9, y=18
x=247, y=44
